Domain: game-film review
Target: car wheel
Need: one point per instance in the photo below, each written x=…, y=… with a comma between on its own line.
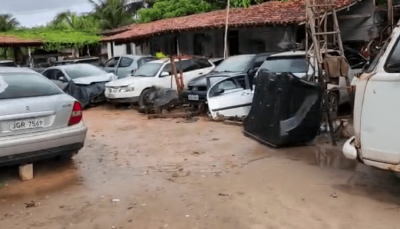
x=145, y=98
x=333, y=105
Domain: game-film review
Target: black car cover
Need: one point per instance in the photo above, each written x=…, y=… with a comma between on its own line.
x=85, y=94
x=286, y=110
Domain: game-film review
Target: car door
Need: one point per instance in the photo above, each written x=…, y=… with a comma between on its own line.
x=126, y=66
x=111, y=64
x=57, y=77
x=230, y=97
x=378, y=120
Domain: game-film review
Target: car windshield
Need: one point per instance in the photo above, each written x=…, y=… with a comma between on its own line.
x=22, y=85
x=83, y=70
x=148, y=70
x=294, y=64
x=235, y=64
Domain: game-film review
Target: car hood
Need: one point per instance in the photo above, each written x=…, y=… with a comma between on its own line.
x=130, y=80
x=94, y=79
x=202, y=80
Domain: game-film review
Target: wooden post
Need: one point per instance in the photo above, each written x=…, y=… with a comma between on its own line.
x=226, y=31
x=390, y=15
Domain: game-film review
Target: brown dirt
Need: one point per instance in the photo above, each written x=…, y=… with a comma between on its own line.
x=169, y=173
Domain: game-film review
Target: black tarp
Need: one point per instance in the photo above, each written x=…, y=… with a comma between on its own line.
x=86, y=94
x=285, y=110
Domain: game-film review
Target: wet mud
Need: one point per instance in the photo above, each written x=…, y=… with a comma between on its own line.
x=169, y=173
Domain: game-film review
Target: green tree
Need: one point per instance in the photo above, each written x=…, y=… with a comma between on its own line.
x=111, y=13
x=173, y=8
x=7, y=22
x=176, y=8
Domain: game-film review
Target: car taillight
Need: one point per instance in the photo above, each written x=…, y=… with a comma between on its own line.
x=76, y=115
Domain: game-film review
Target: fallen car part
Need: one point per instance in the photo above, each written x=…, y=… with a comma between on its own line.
x=285, y=110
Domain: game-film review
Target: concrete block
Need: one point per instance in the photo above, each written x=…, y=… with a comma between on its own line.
x=26, y=172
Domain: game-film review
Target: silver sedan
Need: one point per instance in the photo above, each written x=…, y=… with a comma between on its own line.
x=37, y=119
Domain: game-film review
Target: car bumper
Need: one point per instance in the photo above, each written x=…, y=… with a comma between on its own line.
x=351, y=152
x=131, y=96
x=189, y=95
x=124, y=100
x=44, y=144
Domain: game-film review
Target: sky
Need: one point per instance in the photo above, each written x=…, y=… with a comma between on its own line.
x=31, y=13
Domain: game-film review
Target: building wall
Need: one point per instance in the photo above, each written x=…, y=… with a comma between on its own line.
x=362, y=25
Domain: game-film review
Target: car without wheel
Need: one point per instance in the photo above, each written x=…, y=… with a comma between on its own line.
x=38, y=120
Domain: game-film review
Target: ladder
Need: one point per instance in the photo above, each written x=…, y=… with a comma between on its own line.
x=323, y=38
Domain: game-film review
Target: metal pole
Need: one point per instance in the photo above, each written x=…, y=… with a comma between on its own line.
x=226, y=31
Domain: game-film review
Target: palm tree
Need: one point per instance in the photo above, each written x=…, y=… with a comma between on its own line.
x=69, y=20
x=111, y=13
x=7, y=22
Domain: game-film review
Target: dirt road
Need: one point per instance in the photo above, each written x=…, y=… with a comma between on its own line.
x=171, y=173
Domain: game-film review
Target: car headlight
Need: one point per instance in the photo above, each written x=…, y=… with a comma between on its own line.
x=126, y=89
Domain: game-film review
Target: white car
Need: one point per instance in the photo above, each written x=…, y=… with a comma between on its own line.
x=156, y=73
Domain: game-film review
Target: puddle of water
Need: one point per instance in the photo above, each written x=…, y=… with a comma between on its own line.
x=322, y=155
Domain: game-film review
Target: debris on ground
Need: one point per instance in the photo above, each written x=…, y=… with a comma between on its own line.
x=334, y=195
x=31, y=204
x=115, y=200
x=223, y=194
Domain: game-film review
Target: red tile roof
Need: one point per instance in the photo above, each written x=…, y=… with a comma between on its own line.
x=8, y=41
x=269, y=13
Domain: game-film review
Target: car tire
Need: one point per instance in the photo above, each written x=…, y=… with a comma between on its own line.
x=144, y=100
x=333, y=104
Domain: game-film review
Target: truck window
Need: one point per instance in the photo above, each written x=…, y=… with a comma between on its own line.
x=393, y=62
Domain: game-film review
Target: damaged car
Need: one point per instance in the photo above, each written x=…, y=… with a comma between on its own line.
x=157, y=73
x=196, y=93
x=85, y=82
x=229, y=97
x=38, y=120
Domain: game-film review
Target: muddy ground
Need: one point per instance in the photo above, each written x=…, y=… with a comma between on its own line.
x=173, y=173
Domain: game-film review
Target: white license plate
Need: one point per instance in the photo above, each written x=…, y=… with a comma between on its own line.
x=193, y=97
x=27, y=124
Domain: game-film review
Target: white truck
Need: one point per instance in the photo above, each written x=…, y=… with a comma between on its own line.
x=376, y=118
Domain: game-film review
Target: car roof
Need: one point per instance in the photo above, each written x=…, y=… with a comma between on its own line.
x=6, y=61
x=16, y=70
x=296, y=53
x=135, y=57
x=69, y=65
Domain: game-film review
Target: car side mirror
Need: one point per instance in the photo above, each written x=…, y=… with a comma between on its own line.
x=62, y=79
x=221, y=90
x=163, y=74
x=133, y=71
